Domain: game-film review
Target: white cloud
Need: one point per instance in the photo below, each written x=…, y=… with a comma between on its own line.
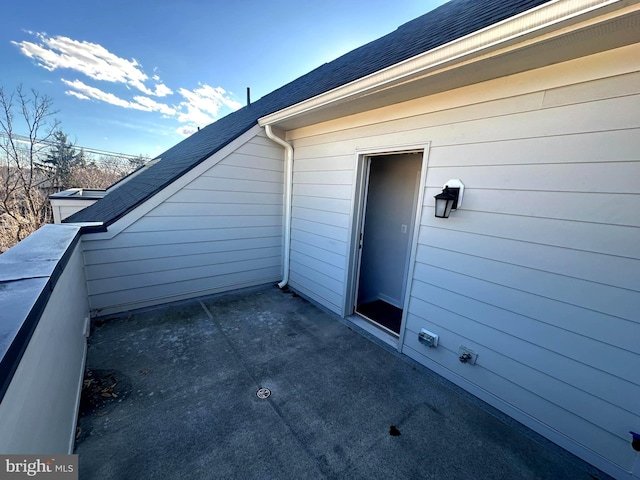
x=90, y=59
x=162, y=90
x=203, y=104
x=193, y=108
x=186, y=130
x=88, y=92
x=154, y=106
x=79, y=95
x=146, y=104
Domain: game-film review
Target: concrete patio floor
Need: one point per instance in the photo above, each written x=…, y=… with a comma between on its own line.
x=184, y=378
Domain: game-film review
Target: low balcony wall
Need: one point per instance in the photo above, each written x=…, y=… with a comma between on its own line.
x=64, y=204
x=44, y=318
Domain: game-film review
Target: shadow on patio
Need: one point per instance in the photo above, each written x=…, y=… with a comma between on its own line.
x=180, y=401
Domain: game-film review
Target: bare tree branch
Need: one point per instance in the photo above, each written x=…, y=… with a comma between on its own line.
x=36, y=159
x=24, y=206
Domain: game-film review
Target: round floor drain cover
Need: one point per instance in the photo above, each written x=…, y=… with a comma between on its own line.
x=263, y=393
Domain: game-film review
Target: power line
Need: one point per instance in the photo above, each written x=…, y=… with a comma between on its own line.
x=27, y=140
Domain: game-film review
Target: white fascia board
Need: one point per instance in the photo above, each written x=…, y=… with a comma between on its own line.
x=72, y=202
x=526, y=25
x=66, y=193
x=83, y=224
x=155, y=200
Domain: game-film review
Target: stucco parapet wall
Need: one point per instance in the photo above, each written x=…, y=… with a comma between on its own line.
x=29, y=272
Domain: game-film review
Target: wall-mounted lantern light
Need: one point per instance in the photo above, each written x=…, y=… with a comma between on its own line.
x=449, y=199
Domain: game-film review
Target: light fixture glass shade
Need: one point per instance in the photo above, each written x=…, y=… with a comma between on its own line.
x=445, y=201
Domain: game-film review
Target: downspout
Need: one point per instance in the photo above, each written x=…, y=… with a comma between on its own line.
x=288, y=184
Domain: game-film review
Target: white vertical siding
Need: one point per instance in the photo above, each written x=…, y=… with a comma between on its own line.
x=539, y=272
x=221, y=231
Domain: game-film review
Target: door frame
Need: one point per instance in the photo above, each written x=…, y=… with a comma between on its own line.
x=366, y=161
x=358, y=200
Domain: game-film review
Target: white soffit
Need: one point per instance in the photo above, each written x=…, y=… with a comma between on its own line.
x=550, y=33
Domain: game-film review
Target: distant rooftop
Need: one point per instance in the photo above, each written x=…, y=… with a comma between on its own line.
x=80, y=193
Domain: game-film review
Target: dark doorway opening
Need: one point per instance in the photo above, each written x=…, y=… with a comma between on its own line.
x=382, y=313
x=389, y=208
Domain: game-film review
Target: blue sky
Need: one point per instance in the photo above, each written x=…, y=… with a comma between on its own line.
x=137, y=76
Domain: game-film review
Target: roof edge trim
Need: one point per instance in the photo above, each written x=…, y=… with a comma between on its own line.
x=494, y=36
x=108, y=230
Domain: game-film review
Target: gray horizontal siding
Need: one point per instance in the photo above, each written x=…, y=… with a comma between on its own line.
x=601, y=238
x=534, y=303
x=612, y=301
x=321, y=244
x=332, y=258
x=155, y=294
x=568, y=206
x=167, y=210
x=222, y=197
x=124, y=269
x=128, y=283
x=322, y=191
x=312, y=285
x=235, y=185
x=184, y=222
x=537, y=272
x=98, y=258
x=221, y=231
x=182, y=237
x=613, y=177
x=596, y=268
x=324, y=217
x=595, y=147
x=532, y=287
x=329, y=163
x=480, y=124
x=506, y=326
x=321, y=214
x=497, y=382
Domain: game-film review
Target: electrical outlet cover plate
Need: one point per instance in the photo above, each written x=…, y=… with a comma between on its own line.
x=428, y=338
x=474, y=356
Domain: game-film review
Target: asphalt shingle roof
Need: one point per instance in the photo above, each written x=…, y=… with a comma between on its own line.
x=446, y=23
